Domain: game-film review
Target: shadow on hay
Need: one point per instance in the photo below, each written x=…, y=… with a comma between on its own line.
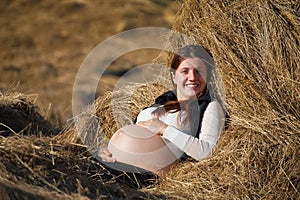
x=257, y=54
x=19, y=115
x=255, y=45
x=36, y=165
x=29, y=164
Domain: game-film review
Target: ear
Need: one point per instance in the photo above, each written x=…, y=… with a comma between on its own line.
x=173, y=76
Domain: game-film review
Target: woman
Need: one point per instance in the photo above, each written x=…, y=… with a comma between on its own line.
x=189, y=118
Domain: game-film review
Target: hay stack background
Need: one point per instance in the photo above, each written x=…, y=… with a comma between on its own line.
x=114, y=109
x=20, y=115
x=256, y=49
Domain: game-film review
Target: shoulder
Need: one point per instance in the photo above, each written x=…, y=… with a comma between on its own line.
x=215, y=108
x=213, y=122
x=145, y=114
x=214, y=103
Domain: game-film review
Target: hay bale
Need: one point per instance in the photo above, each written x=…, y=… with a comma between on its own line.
x=33, y=167
x=19, y=115
x=255, y=45
x=109, y=112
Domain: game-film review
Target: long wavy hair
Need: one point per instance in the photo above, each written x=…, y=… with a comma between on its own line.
x=190, y=51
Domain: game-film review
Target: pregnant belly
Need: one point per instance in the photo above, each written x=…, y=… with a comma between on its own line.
x=137, y=146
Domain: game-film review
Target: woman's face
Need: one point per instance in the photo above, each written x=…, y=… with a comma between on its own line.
x=190, y=78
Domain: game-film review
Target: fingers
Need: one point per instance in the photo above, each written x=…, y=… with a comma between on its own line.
x=154, y=125
x=105, y=155
x=147, y=122
x=144, y=123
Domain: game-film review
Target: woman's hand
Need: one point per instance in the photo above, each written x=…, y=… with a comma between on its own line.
x=154, y=125
x=105, y=155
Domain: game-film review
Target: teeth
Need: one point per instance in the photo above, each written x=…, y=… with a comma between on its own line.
x=192, y=85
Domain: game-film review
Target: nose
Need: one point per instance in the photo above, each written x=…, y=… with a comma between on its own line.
x=192, y=75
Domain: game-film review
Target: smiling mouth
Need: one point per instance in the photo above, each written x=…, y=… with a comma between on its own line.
x=192, y=85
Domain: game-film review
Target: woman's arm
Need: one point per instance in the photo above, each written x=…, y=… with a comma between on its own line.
x=212, y=125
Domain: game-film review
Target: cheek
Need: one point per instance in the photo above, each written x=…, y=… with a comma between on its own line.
x=202, y=78
x=176, y=79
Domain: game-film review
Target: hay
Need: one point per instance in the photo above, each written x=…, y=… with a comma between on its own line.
x=256, y=49
x=255, y=45
x=34, y=167
x=19, y=115
x=114, y=109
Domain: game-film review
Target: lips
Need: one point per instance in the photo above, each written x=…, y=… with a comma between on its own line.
x=192, y=85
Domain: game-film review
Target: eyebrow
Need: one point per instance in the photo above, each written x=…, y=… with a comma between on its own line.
x=197, y=68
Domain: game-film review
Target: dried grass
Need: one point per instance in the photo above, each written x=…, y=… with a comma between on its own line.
x=41, y=168
x=37, y=166
x=255, y=45
x=114, y=109
x=19, y=115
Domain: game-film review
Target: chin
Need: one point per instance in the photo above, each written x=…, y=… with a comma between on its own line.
x=193, y=95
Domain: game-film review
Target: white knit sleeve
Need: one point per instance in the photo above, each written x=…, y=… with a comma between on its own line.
x=212, y=125
x=145, y=114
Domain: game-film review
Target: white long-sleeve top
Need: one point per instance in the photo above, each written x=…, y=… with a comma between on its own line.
x=180, y=140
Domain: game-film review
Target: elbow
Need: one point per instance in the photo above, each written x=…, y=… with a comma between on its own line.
x=204, y=151
x=203, y=155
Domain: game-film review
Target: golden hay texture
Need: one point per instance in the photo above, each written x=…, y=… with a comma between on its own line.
x=111, y=111
x=255, y=45
x=19, y=115
x=256, y=49
x=37, y=165
x=41, y=168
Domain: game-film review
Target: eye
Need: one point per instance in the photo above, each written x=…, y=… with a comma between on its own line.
x=200, y=72
x=184, y=71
